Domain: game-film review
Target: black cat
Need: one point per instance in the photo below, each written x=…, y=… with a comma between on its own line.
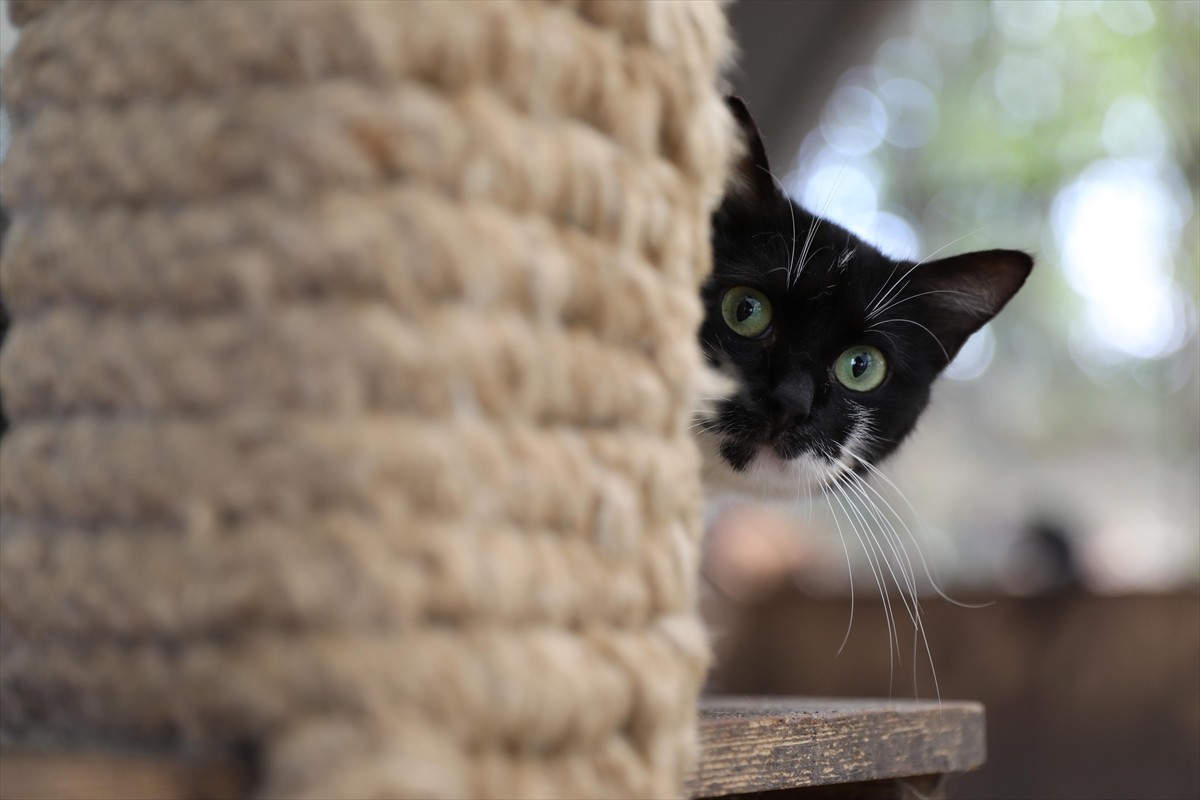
x=831, y=346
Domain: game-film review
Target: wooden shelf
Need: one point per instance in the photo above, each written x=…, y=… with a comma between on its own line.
x=798, y=747
x=756, y=744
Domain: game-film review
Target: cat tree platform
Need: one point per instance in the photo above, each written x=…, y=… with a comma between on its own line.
x=792, y=747
x=803, y=747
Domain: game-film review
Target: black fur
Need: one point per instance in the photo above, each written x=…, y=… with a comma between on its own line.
x=822, y=290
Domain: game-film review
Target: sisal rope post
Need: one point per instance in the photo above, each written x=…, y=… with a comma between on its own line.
x=350, y=375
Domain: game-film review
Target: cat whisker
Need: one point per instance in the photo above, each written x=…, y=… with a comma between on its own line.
x=787, y=271
x=850, y=575
x=817, y=219
x=792, y=253
x=913, y=609
x=849, y=481
x=891, y=338
x=938, y=341
x=882, y=287
x=814, y=254
x=808, y=501
x=877, y=573
x=933, y=582
x=950, y=243
x=792, y=211
x=860, y=485
x=922, y=262
x=837, y=475
x=808, y=240
x=844, y=259
x=894, y=291
x=903, y=561
x=906, y=298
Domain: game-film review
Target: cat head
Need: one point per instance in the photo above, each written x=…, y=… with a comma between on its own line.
x=832, y=346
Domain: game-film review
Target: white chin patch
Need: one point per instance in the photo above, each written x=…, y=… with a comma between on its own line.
x=767, y=476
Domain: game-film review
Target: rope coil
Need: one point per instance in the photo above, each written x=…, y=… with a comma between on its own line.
x=350, y=378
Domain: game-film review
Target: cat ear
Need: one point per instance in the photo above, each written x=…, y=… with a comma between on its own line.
x=750, y=180
x=961, y=293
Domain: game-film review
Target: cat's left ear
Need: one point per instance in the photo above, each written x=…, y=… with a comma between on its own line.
x=750, y=180
x=961, y=293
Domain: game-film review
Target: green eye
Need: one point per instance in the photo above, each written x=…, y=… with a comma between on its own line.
x=861, y=368
x=746, y=311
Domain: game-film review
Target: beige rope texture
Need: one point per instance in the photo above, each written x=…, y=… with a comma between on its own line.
x=350, y=377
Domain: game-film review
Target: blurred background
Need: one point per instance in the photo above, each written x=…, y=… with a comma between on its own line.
x=1054, y=486
x=1055, y=481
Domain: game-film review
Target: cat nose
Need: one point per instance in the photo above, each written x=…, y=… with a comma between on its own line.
x=789, y=403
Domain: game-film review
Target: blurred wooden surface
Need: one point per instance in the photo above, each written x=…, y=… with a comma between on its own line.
x=1088, y=697
x=34, y=775
x=884, y=749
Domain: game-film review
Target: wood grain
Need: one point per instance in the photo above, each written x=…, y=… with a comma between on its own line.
x=747, y=745
x=753, y=744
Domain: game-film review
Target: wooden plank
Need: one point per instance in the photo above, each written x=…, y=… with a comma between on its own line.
x=747, y=745
x=754, y=744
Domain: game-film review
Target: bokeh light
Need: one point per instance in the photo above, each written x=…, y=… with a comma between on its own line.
x=1117, y=228
x=975, y=356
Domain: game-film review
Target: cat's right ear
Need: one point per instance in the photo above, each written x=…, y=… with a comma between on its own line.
x=750, y=181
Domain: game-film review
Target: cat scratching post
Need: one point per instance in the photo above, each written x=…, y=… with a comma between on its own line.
x=350, y=378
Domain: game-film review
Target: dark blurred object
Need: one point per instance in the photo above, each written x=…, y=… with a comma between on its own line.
x=1043, y=559
x=1087, y=696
